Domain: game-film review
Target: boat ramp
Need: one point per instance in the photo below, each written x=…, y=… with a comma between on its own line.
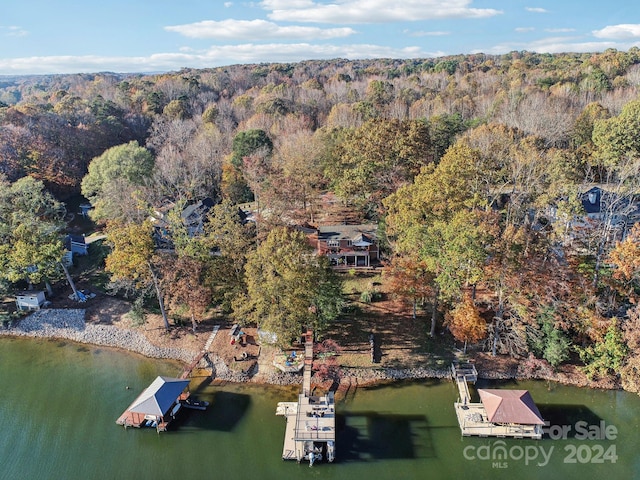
x=310, y=431
x=500, y=413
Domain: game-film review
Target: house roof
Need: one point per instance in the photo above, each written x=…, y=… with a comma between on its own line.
x=196, y=211
x=591, y=200
x=510, y=406
x=158, y=397
x=77, y=239
x=363, y=232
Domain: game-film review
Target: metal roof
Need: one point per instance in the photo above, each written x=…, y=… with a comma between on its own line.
x=510, y=406
x=158, y=397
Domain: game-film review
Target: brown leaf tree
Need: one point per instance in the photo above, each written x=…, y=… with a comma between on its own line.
x=465, y=322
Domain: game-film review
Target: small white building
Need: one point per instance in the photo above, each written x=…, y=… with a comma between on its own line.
x=30, y=300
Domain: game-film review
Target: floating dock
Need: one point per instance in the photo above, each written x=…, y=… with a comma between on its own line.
x=310, y=432
x=501, y=413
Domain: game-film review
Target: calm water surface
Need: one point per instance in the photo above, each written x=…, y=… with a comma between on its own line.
x=59, y=402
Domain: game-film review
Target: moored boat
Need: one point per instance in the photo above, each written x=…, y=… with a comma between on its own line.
x=195, y=404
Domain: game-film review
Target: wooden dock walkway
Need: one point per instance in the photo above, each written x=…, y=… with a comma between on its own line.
x=462, y=373
x=308, y=364
x=310, y=430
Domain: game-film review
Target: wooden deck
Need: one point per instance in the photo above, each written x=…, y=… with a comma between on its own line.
x=472, y=417
x=462, y=374
x=311, y=421
x=473, y=421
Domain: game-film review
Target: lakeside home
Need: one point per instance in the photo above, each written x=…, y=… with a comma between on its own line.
x=349, y=246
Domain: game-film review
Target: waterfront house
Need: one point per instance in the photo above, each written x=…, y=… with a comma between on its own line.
x=349, y=246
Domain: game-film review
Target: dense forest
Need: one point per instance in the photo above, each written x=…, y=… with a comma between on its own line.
x=479, y=170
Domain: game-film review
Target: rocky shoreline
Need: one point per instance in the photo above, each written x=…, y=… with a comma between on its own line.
x=70, y=324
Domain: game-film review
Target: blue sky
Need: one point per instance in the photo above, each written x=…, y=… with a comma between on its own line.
x=71, y=36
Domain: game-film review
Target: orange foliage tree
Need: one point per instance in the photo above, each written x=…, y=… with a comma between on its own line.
x=625, y=257
x=465, y=322
x=410, y=279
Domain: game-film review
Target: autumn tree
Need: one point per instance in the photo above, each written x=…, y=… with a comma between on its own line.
x=298, y=159
x=189, y=159
x=31, y=221
x=630, y=373
x=132, y=259
x=288, y=287
x=231, y=239
x=183, y=286
x=437, y=219
x=374, y=160
x=625, y=259
x=114, y=182
x=605, y=357
x=616, y=138
x=465, y=322
x=253, y=142
x=409, y=279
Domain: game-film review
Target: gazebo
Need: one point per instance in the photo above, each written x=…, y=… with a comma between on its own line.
x=510, y=407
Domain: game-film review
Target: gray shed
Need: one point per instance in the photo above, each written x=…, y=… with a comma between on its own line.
x=30, y=300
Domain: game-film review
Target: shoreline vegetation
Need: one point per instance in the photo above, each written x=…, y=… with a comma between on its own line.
x=70, y=324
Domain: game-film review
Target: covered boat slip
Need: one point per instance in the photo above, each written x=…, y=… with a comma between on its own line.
x=311, y=427
x=473, y=421
x=157, y=405
x=311, y=421
x=500, y=413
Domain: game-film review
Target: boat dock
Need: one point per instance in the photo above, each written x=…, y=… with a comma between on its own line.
x=462, y=373
x=310, y=430
x=475, y=419
x=157, y=405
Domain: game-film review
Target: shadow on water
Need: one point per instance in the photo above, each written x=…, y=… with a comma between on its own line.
x=372, y=436
x=397, y=384
x=226, y=411
x=200, y=384
x=570, y=415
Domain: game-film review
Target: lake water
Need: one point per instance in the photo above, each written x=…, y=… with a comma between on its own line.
x=59, y=402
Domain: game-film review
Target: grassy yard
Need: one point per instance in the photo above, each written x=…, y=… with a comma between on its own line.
x=403, y=341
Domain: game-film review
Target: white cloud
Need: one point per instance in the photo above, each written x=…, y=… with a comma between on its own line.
x=559, y=30
x=536, y=10
x=256, y=30
x=228, y=4
x=524, y=29
x=372, y=11
x=422, y=33
x=212, y=57
x=558, y=45
x=13, y=31
x=623, y=31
